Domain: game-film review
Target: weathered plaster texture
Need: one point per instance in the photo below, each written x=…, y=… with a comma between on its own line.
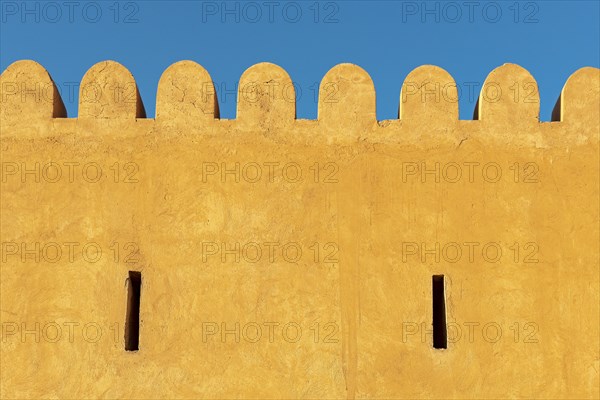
x=366, y=211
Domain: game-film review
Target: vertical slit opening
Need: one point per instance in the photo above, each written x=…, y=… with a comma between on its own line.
x=440, y=336
x=132, y=320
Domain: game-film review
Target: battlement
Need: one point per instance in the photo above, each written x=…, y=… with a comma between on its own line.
x=266, y=102
x=271, y=257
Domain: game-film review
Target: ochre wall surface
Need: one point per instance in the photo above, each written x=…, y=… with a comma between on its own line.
x=284, y=258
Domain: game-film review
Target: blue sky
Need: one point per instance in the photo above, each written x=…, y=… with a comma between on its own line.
x=551, y=39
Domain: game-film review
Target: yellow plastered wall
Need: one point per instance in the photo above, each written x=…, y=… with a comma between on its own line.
x=285, y=258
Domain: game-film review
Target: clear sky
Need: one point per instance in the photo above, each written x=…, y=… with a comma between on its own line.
x=551, y=39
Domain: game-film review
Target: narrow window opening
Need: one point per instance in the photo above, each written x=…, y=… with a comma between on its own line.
x=132, y=321
x=440, y=340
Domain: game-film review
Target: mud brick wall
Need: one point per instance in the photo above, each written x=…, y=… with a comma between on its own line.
x=284, y=258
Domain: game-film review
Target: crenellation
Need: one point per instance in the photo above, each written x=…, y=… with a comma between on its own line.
x=266, y=97
x=326, y=234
